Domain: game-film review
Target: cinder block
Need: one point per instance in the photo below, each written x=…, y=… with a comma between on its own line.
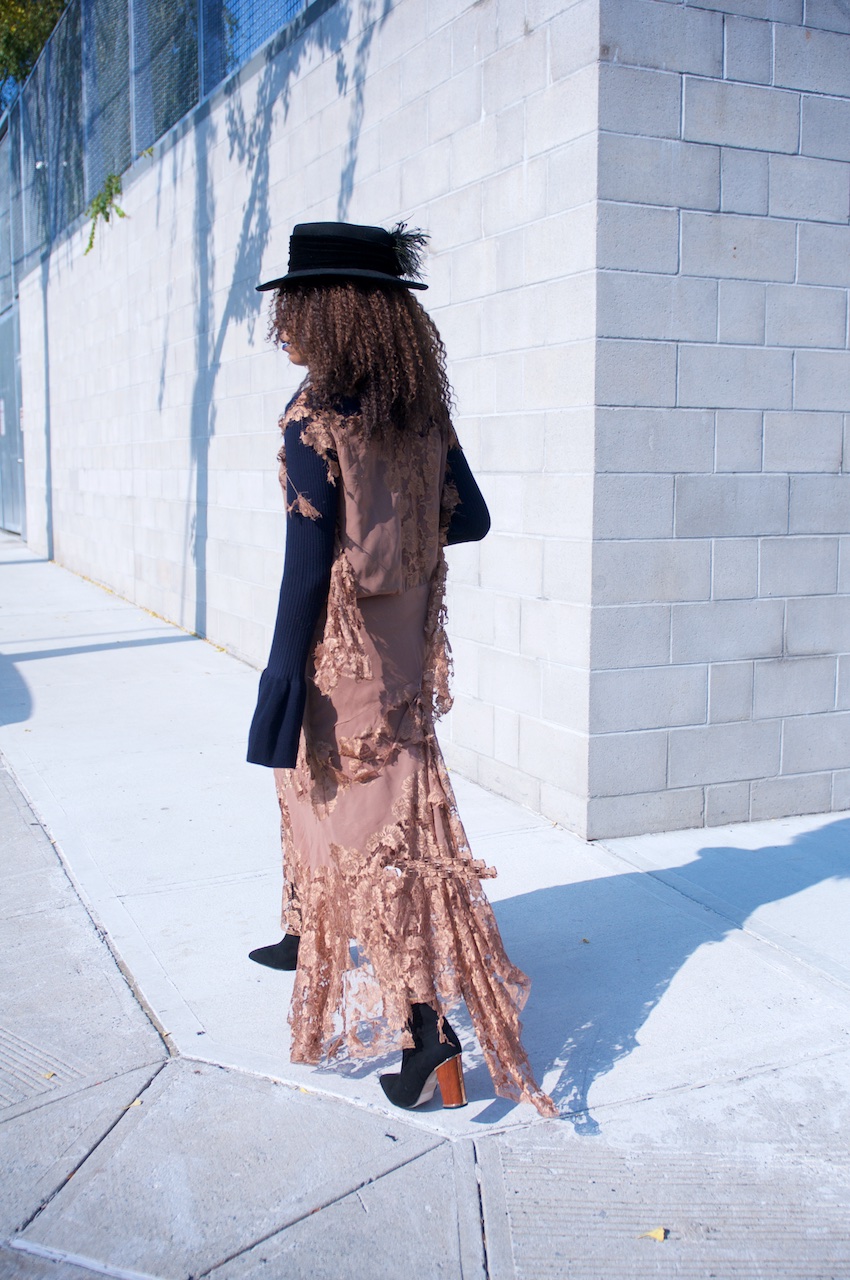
x=567, y=570
x=813, y=743
x=574, y=38
x=637, y=305
x=658, y=171
x=842, y=700
x=797, y=316
x=511, y=320
x=747, y=50
x=726, y=803
x=633, y=100
x=506, y=736
x=454, y=104
x=730, y=506
x=633, y=237
x=512, y=564
x=472, y=724
x=816, y=190
x=822, y=380
x=784, y=797
x=560, y=112
x=507, y=619
x=743, y=181
x=512, y=443
x=509, y=680
x=635, y=373
x=738, y=440
x=826, y=127
x=642, y=571
x=611, y=816
x=809, y=59
x=632, y=506
x=820, y=504
x=470, y=612
x=735, y=568
x=565, y=695
x=553, y=754
x=794, y=687
x=844, y=565
x=841, y=790
x=500, y=778
x=734, y=377
x=668, y=37
x=738, y=248
x=647, y=698
x=558, y=246
x=724, y=753
x=557, y=505
x=555, y=631
x=726, y=630
x=798, y=566
x=565, y=808
x=572, y=174
x=824, y=255
x=569, y=439
x=765, y=10
x=515, y=72
x=569, y=308
x=740, y=115
x=803, y=441
x=622, y=763
x=730, y=696
x=826, y=14
x=740, y=312
x=656, y=440
x=630, y=636
x=817, y=624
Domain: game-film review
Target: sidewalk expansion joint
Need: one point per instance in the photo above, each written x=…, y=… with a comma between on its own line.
x=302, y=1217
x=478, y=1179
x=83, y=1159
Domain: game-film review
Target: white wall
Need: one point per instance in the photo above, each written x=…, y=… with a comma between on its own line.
x=475, y=121
x=640, y=214
x=721, y=622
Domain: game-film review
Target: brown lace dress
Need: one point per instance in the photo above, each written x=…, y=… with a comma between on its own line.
x=374, y=851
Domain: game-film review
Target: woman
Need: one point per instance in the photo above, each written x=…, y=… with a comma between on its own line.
x=375, y=485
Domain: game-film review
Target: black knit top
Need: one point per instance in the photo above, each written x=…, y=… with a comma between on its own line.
x=276, y=726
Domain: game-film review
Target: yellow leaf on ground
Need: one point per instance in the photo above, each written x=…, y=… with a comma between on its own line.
x=137, y=1103
x=657, y=1233
x=48, y=1075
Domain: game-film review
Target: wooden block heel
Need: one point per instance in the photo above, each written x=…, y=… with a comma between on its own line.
x=450, y=1080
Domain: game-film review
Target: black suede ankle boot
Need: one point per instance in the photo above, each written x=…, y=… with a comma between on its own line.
x=281, y=955
x=428, y=1064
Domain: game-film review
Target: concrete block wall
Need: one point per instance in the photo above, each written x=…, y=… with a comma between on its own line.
x=721, y=614
x=146, y=366
x=640, y=213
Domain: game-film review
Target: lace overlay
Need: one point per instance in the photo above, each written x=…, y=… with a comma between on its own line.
x=374, y=850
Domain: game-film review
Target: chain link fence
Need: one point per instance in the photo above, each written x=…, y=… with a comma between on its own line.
x=113, y=78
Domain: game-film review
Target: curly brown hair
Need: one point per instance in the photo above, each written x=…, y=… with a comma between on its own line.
x=374, y=343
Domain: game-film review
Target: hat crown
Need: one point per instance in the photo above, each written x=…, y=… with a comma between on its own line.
x=328, y=252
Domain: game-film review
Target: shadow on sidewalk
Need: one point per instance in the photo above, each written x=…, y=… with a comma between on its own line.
x=590, y=998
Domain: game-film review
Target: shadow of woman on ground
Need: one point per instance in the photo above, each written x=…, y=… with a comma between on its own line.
x=601, y=953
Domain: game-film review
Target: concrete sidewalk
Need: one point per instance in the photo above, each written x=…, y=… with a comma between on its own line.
x=688, y=1013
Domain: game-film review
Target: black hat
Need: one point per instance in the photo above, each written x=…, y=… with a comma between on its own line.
x=331, y=251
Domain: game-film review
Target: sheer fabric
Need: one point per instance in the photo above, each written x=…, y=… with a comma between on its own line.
x=374, y=851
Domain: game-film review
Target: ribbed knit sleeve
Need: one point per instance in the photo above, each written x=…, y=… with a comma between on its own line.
x=276, y=726
x=470, y=519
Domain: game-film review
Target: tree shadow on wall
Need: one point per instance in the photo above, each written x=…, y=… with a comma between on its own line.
x=249, y=140
x=589, y=1000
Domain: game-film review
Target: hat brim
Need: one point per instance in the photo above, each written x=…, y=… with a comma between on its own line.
x=334, y=273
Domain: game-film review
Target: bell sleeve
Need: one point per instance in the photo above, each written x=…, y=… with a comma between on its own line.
x=311, y=511
x=470, y=520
